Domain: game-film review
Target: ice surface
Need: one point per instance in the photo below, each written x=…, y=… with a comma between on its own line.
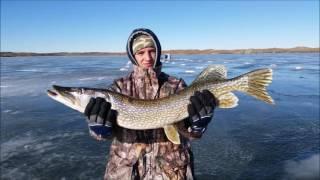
x=41, y=138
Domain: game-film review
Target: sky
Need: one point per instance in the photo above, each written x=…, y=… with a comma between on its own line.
x=104, y=26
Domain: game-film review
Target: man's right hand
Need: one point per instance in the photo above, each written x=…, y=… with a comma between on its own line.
x=100, y=118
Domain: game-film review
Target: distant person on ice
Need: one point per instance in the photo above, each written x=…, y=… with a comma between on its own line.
x=148, y=154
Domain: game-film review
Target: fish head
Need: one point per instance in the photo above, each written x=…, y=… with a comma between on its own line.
x=73, y=97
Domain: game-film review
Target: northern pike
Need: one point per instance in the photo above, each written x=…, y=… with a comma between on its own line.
x=139, y=114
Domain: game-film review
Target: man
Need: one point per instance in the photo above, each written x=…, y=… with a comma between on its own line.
x=148, y=154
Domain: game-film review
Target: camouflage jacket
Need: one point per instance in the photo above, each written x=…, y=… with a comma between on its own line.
x=147, y=154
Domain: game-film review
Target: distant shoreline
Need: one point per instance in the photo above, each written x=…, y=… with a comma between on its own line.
x=184, y=51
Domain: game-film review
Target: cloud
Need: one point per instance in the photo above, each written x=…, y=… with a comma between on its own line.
x=306, y=169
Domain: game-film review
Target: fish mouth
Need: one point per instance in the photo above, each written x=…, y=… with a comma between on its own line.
x=52, y=93
x=61, y=91
x=56, y=90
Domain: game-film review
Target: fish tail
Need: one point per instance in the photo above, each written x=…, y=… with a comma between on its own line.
x=255, y=82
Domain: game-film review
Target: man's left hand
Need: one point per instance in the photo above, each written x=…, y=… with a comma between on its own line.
x=200, y=112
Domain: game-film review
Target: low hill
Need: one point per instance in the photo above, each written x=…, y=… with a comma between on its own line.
x=184, y=51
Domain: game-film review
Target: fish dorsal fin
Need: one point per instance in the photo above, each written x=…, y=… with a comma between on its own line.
x=172, y=134
x=228, y=100
x=212, y=73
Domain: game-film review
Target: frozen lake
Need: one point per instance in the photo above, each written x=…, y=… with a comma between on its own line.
x=42, y=139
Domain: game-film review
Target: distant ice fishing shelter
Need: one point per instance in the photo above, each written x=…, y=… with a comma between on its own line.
x=166, y=57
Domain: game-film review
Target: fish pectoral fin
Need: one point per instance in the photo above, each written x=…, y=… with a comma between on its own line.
x=172, y=134
x=138, y=150
x=212, y=73
x=228, y=100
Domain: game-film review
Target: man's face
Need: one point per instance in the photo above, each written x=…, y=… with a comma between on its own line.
x=146, y=57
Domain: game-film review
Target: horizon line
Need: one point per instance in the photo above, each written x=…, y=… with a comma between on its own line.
x=294, y=47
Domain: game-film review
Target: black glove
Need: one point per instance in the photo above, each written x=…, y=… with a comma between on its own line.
x=100, y=117
x=200, y=112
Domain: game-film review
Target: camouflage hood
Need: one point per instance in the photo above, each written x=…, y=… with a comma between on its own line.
x=141, y=31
